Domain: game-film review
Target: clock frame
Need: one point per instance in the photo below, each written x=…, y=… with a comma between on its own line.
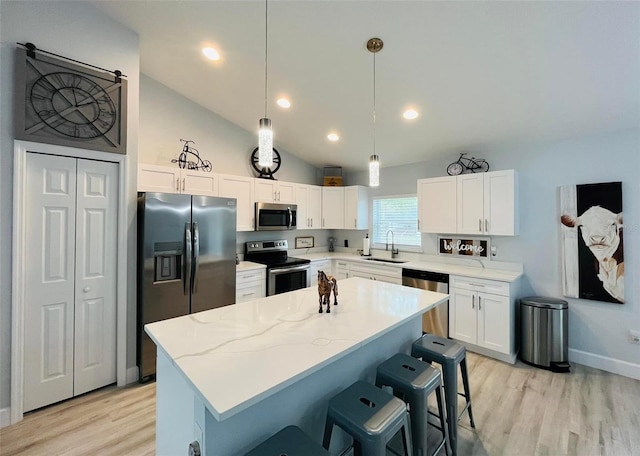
x=62, y=103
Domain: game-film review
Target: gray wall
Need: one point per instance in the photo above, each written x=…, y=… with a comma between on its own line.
x=594, y=327
x=80, y=32
x=166, y=117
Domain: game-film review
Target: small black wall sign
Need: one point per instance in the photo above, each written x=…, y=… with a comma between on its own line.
x=463, y=247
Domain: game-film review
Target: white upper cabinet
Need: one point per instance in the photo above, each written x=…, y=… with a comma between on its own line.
x=309, y=202
x=156, y=178
x=437, y=205
x=170, y=179
x=487, y=203
x=333, y=207
x=480, y=204
x=240, y=188
x=272, y=191
x=356, y=207
x=199, y=183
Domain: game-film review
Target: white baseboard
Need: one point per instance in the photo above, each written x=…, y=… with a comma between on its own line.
x=615, y=366
x=132, y=375
x=5, y=417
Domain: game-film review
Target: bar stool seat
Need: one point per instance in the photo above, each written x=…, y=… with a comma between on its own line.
x=449, y=354
x=290, y=441
x=413, y=381
x=371, y=416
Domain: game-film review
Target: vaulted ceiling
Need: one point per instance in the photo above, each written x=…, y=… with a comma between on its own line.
x=480, y=74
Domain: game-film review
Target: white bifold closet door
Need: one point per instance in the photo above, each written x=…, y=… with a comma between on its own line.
x=70, y=308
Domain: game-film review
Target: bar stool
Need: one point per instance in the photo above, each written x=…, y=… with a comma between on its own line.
x=371, y=416
x=449, y=354
x=413, y=381
x=290, y=441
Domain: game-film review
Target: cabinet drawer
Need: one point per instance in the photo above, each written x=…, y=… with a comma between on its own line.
x=376, y=269
x=481, y=285
x=252, y=275
x=247, y=293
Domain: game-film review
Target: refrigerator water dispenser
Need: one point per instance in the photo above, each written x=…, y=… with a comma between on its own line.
x=168, y=261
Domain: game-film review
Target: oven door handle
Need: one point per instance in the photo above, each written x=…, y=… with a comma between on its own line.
x=279, y=271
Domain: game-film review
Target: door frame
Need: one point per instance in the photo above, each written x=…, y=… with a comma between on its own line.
x=20, y=150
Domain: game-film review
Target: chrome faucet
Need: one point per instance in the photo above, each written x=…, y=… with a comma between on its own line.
x=394, y=251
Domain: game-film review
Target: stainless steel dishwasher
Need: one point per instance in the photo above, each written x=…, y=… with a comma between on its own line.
x=435, y=321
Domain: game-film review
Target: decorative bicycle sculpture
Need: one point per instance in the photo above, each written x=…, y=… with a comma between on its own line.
x=184, y=162
x=266, y=173
x=473, y=164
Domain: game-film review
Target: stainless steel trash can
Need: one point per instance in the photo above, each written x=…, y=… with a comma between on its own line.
x=544, y=332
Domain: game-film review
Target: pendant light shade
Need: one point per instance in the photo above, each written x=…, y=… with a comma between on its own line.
x=374, y=45
x=265, y=132
x=265, y=143
x=374, y=171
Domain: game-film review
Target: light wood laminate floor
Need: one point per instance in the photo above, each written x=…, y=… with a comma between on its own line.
x=519, y=410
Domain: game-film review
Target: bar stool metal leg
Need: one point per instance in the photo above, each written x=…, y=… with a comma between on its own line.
x=467, y=394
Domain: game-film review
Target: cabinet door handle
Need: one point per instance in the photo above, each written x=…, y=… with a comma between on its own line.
x=473, y=301
x=486, y=225
x=177, y=184
x=418, y=224
x=479, y=303
x=480, y=225
x=355, y=223
x=183, y=179
x=323, y=222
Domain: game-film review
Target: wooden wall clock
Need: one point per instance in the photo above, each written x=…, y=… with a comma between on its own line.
x=59, y=102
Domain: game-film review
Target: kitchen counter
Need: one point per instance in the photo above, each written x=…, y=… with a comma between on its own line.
x=248, y=266
x=225, y=369
x=462, y=268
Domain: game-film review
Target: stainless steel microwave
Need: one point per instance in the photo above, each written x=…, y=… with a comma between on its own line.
x=275, y=217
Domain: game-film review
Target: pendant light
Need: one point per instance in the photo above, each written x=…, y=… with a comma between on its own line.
x=374, y=45
x=265, y=132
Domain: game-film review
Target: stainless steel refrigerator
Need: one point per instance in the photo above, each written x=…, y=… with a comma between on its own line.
x=186, y=261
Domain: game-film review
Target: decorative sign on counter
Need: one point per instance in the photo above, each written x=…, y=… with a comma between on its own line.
x=304, y=242
x=463, y=247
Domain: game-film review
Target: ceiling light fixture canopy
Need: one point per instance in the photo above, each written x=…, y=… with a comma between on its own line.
x=374, y=45
x=265, y=132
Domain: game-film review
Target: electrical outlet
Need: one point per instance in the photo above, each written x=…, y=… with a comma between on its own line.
x=634, y=337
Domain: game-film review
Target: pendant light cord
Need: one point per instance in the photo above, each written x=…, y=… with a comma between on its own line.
x=266, y=53
x=374, y=103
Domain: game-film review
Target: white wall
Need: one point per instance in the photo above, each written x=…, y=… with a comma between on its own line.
x=596, y=328
x=78, y=31
x=166, y=117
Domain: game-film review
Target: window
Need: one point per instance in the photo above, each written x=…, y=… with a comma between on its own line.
x=400, y=215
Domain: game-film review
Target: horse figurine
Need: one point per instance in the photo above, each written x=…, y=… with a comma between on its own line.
x=326, y=284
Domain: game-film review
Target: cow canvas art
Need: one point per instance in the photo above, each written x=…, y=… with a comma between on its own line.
x=592, y=241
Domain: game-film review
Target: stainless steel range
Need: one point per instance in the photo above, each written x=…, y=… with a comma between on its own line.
x=284, y=273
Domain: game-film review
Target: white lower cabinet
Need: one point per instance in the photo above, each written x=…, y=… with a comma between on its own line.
x=482, y=315
x=251, y=284
x=341, y=269
x=314, y=267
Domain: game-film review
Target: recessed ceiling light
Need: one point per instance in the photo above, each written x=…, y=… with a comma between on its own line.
x=211, y=53
x=410, y=114
x=283, y=103
x=333, y=137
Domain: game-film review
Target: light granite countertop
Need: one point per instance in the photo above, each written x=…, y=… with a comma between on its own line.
x=466, y=268
x=228, y=354
x=248, y=266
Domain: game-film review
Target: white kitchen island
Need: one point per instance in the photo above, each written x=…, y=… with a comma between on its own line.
x=231, y=377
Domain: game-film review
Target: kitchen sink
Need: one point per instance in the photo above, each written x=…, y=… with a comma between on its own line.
x=386, y=260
